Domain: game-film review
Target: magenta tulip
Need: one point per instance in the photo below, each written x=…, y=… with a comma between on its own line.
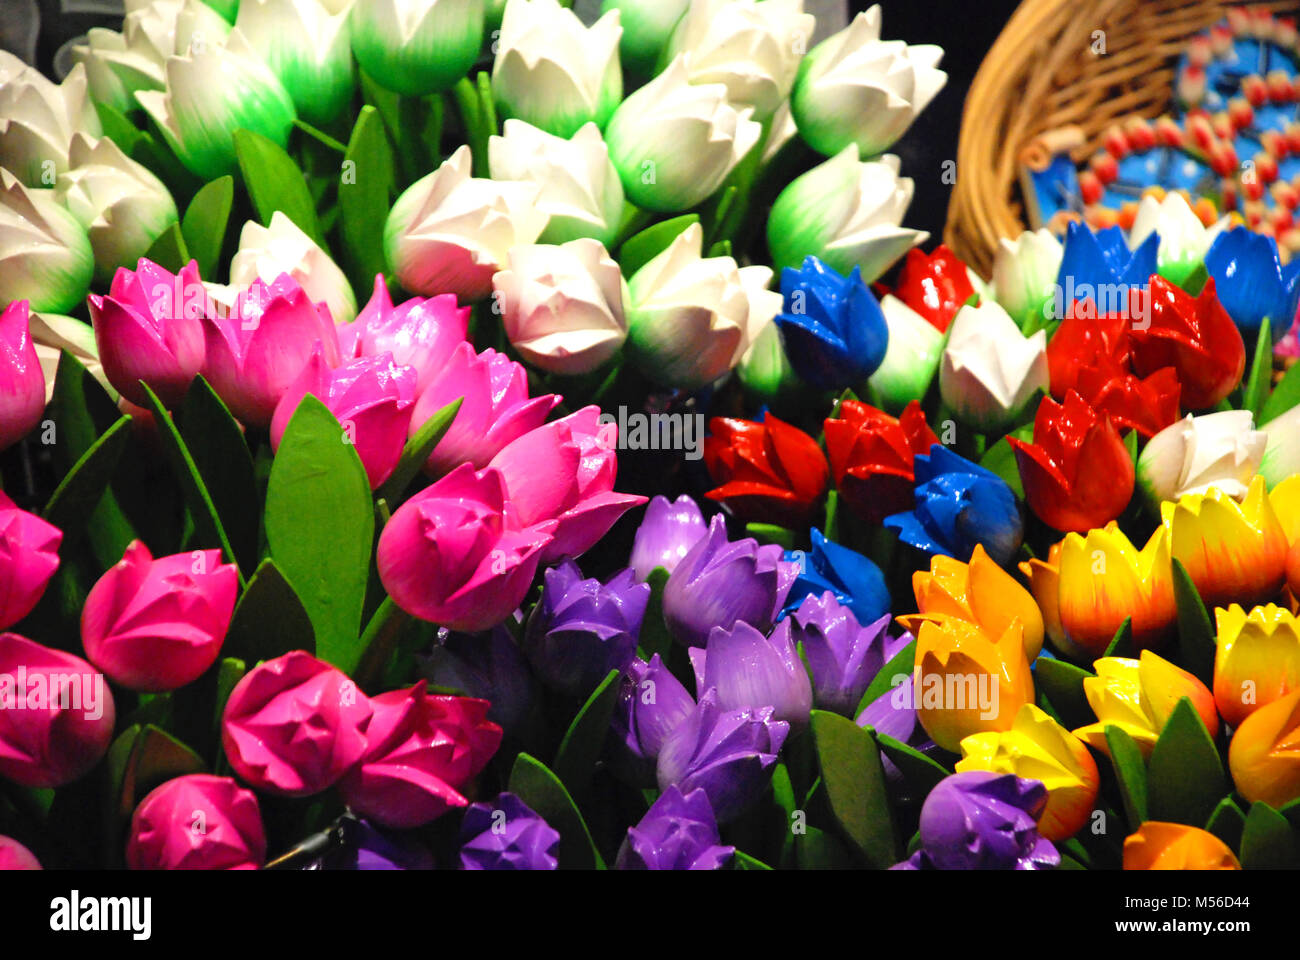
x=371, y=397
x=261, y=344
x=456, y=554
x=294, y=725
x=29, y=555
x=56, y=714
x=495, y=411
x=155, y=625
x=14, y=856
x=420, y=332
x=22, y=384
x=565, y=471
x=197, y=822
x=150, y=328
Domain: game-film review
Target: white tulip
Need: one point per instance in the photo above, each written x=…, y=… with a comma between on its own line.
x=1024, y=273
x=911, y=356
x=580, y=191
x=990, y=371
x=45, y=255
x=416, y=47
x=38, y=119
x=123, y=206
x=752, y=48
x=52, y=333
x=780, y=132
x=1221, y=450
x=450, y=232
x=267, y=252
x=1282, y=454
x=764, y=305
x=674, y=142
x=309, y=48
x=553, y=71
x=846, y=213
x=1184, y=240
x=647, y=25
x=856, y=88
x=563, y=306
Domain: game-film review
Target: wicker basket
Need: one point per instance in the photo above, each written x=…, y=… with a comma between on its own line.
x=1041, y=76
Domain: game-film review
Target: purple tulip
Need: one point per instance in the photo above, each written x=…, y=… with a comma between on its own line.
x=844, y=655
x=979, y=820
x=668, y=531
x=652, y=704
x=750, y=670
x=677, y=833
x=507, y=835
x=893, y=714
x=726, y=753
x=719, y=582
x=362, y=847
x=582, y=629
x=489, y=666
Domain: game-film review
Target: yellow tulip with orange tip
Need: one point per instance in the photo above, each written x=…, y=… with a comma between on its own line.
x=1104, y=579
x=1257, y=659
x=980, y=592
x=1138, y=696
x=1285, y=500
x=1038, y=748
x=1264, y=756
x=1176, y=846
x=1233, y=552
x=966, y=681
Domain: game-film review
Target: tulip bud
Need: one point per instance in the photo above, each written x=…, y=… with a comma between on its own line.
x=651, y=704
x=647, y=25
x=1024, y=274
x=1196, y=337
x=1248, y=279
x=835, y=334
x=309, y=47
x=871, y=456
x=768, y=471
x=1257, y=659
x=28, y=559
x=420, y=333
x=666, y=534
x=1184, y=239
x=197, y=822
x=417, y=47
x=507, y=835
x=843, y=655
x=45, y=254
x=990, y=371
x=267, y=252
x=1262, y=757
x=14, y=856
x=746, y=669
x=1219, y=449
x=38, y=119
x=22, y=383
x=1176, y=846
x=677, y=833
x=854, y=580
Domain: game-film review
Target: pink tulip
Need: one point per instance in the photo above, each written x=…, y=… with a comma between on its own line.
x=456, y=555
x=29, y=555
x=197, y=822
x=56, y=714
x=154, y=625
x=14, y=856
x=294, y=725
x=22, y=384
x=423, y=751
x=565, y=471
x=261, y=347
x=150, y=328
x=420, y=332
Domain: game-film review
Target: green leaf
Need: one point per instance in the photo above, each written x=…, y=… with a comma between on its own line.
x=1185, y=776
x=364, y=194
x=230, y=670
x=771, y=533
x=831, y=528
x=417, y=451
x=854, y=780
x=78, y=495
x=204, y=225
x=655, y=636
x=918, y=770
x=320, y=523
x=269, y=619
x=639, y=250
x=1001, y=459
x=320, y=136
x=1121, y=645
x=117, y=127
x=900, y=665
x=1268, y=841
x=1261, y=373
x=743, y=861
x=544, y=794
x=1063, y=684
x=1197, y=642
x=1284, y=396
x=1131, y=772
x=169, y=250
x=274, y=182
x=143, y=757
x=1227, y=822
x=575, y=761
x=816, y=849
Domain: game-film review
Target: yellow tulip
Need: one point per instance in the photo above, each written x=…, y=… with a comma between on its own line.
x=1257, y=660
x=1044, y=580
x=979, y=592
x=1038, y=748
x=1138, y=696
x=1264, y=755
x=965, y=681
x=1285, y=498
x=1105, y=579
x=1234, y=552
x=1175, y=846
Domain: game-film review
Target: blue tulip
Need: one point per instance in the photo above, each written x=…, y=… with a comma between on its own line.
x=835, y=333
x=1248, y=278
x=1100, y=267
x=856, y=582
x=958, y=505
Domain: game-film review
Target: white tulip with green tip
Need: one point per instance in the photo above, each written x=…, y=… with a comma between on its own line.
x=417, y=47
x=553, y=71
x=911, y=358
x=227, y=8
x=45, y=255
x=990, y=371
x=309, y=49
x=122, y=205
x=38, y=119
x=212, y=91
x=647, y=25
x=1184, y=240
x=674, y=142
x=581, y=193
x=266, y=252
x=1024, y=274
x=1282, y=452
x=856, y=88
x=845, y=212
x=1221, y=450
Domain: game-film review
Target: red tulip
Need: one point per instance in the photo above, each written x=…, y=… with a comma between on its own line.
x=1196, y=337
x=1083, y=340
x=935, y=285
x=767, y=471
x=871, y=456
x=1145, y=405
x=1077, y=473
